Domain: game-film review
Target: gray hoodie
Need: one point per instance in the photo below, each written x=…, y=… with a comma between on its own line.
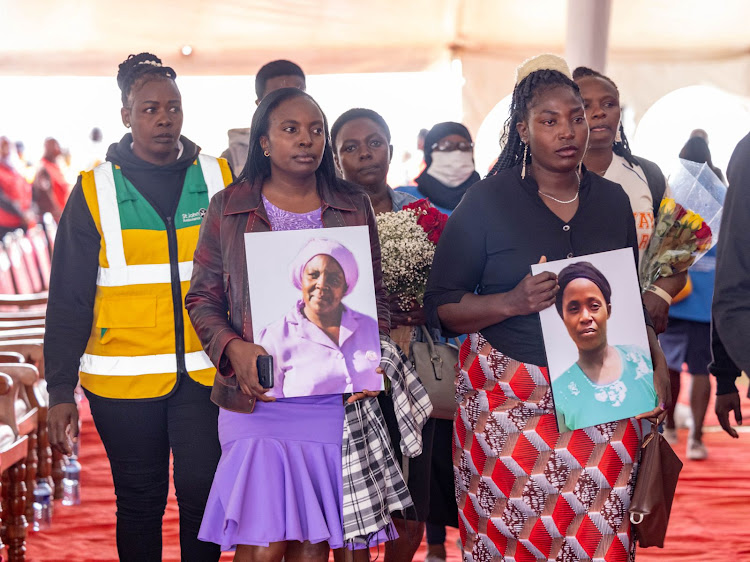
x=236, y=154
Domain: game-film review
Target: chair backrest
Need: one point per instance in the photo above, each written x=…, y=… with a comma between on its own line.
x=21, y=277
x=40, y=245
x=30, y=261
x=50, y=229
x=7, y=287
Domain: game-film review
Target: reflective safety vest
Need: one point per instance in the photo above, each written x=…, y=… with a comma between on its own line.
x=141, y=336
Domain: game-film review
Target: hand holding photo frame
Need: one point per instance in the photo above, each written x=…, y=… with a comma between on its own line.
x=595, y=338
x=313, y=309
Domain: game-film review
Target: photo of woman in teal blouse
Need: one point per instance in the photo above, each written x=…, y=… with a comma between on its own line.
x=607, y=382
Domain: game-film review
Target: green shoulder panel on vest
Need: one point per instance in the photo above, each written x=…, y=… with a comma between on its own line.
x=136, y=213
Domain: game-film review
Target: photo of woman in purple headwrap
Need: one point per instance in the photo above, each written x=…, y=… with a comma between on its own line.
x=321, y=345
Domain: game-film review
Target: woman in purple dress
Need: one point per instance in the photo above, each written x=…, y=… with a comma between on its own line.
x=278, y=487
x=321, y=330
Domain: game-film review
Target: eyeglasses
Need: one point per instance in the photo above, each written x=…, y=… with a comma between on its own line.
x=450, y=146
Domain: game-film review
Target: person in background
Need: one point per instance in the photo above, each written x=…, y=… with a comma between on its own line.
x=272, y=76
x=361, y=142
x=524, y=490
x=26, y=167
x=731, y=302
x=609, y=156
x=116, y=318
x=95, y=148
x=688, y=335
x=15, y=193
x=449, y=172
x=448, y=157
x=449, y=167
x=50, y=188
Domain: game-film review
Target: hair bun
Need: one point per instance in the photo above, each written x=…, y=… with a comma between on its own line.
x=137, y=66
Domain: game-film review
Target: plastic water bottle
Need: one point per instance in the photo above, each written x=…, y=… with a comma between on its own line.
x=72, y=480
x=42, y=505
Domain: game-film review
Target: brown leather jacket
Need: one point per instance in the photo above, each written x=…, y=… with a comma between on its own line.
x=218, y=299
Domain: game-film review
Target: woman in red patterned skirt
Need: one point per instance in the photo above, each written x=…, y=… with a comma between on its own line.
x=524, y=490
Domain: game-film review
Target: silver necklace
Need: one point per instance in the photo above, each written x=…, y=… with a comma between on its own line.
x=560, y=200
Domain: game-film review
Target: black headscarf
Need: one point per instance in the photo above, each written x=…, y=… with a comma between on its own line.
x=437, y=193
x=581, y=270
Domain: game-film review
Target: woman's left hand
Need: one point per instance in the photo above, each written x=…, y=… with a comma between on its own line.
x=363, y=394
x=414, y=317
x=658, y=308
x=661, y=381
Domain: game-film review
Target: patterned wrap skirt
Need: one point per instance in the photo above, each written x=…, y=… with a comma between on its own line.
x=525, y=491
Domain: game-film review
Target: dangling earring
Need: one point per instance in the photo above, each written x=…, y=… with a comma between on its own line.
x=266, y=153
x=523, y=168
x=618, y=136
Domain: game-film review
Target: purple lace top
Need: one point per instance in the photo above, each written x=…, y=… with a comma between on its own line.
x=285, y=220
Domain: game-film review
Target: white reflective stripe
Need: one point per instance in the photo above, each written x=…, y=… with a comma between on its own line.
x=142, y=274
x=143, y=365
x=119, y=273
x=211, y=174
x=109, y=215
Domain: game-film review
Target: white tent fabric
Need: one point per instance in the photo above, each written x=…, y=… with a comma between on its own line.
x=654, y=47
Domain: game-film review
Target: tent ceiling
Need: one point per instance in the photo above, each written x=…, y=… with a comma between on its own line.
x=90, y=37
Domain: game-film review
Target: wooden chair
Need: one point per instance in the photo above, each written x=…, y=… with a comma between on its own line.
x=28, y=257
x=50, y=464
x=14, y=449
x=31, y=397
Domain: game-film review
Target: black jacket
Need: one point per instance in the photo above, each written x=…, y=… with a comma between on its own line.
x=731, y=304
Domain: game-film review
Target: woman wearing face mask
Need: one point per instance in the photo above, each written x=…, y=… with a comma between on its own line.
x=449, y=156
x=449, y=172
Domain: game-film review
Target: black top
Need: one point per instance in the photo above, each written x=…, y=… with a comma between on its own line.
x=502, y=227
x=731, y=304
x=75, y=262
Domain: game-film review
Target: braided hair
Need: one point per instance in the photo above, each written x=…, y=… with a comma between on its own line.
x=621, y=147
x=532, y=85
x=139, y=69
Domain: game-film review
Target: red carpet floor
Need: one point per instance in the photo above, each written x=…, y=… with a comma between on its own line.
x=709, y=521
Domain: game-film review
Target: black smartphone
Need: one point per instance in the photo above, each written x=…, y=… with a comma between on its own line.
x=264, y=363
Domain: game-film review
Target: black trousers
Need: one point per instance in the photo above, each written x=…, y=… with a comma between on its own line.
x=138, y=437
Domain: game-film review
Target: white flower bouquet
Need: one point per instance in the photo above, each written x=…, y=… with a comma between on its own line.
x=407, y=250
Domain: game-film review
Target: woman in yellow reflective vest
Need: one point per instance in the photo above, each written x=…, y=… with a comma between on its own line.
x=116, y=317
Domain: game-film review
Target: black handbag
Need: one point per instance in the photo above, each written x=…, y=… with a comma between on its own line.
x=435, y=363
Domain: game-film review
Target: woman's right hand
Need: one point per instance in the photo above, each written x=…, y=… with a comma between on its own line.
x=243, y=356
x=534, y=293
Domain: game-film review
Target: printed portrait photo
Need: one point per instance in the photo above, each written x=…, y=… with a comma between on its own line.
x=312, y=300
x=596, y=343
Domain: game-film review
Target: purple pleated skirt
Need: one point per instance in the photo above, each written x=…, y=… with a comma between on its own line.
x=280, y=475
